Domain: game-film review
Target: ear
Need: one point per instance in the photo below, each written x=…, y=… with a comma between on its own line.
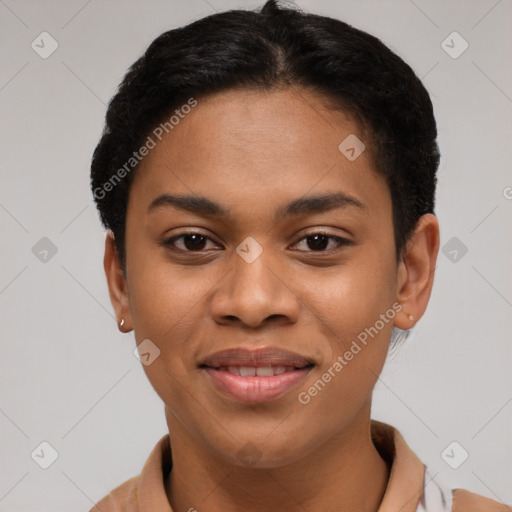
x=117, y=286
x=416, y=269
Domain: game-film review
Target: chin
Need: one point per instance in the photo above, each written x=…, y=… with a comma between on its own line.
x=262, y=452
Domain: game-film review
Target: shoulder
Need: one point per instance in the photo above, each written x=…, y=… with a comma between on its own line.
x=122, y=499
x=145, y=491
x=465, y=501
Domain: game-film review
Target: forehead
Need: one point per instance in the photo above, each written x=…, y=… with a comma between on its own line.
x=248, y=146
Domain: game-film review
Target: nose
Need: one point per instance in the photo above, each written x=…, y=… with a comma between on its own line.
x=255, y=294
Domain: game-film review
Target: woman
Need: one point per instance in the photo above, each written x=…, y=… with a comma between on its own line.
x=268, y=181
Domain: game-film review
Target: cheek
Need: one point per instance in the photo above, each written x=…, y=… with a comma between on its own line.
x=167, y=312
x=163, y=311
x=356, y=320
x=353, y=311
x=165, y=300
x=352, y=298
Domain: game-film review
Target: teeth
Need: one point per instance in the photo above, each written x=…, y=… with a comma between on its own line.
x=234, y=370
x=262, y=371
x=247, y=371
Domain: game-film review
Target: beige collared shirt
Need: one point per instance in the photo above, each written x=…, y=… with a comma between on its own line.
x=409, y=489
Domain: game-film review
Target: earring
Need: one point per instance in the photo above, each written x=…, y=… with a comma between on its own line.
x=121, y=323
x=411, y=317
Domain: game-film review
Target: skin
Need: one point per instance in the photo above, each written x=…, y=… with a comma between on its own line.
x=252, y=152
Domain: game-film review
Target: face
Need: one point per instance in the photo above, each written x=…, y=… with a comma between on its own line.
x=272, y=295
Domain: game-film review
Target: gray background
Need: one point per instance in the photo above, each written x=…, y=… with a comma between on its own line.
x=68, y=377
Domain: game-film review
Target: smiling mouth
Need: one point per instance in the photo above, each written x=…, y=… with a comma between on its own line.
x=255, y=384
x=257, y=371
x=255, y=375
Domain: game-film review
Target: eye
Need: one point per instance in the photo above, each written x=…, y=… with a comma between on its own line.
x=189, y=242
x=323, y=242
x=316, y=242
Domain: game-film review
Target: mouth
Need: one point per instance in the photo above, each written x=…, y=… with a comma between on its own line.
x=255, y=376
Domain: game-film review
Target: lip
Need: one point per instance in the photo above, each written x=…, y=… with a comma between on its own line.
x=257, y=357
x=256, y=389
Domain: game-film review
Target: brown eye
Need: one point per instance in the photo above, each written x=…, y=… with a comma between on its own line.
x=194, y=242
x=317, y=242
x=188, y=242
x=322, y=242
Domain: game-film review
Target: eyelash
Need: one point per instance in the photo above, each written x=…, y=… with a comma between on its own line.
x=341, y=242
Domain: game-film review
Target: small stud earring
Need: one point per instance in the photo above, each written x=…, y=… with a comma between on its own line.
x=411, y=317
x=121, y=323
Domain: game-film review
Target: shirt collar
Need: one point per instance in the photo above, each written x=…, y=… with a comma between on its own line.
x=403, y=492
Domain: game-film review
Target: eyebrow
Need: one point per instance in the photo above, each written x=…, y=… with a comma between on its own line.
x=309, y=205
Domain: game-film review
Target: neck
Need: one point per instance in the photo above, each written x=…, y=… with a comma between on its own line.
x=345, y=473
